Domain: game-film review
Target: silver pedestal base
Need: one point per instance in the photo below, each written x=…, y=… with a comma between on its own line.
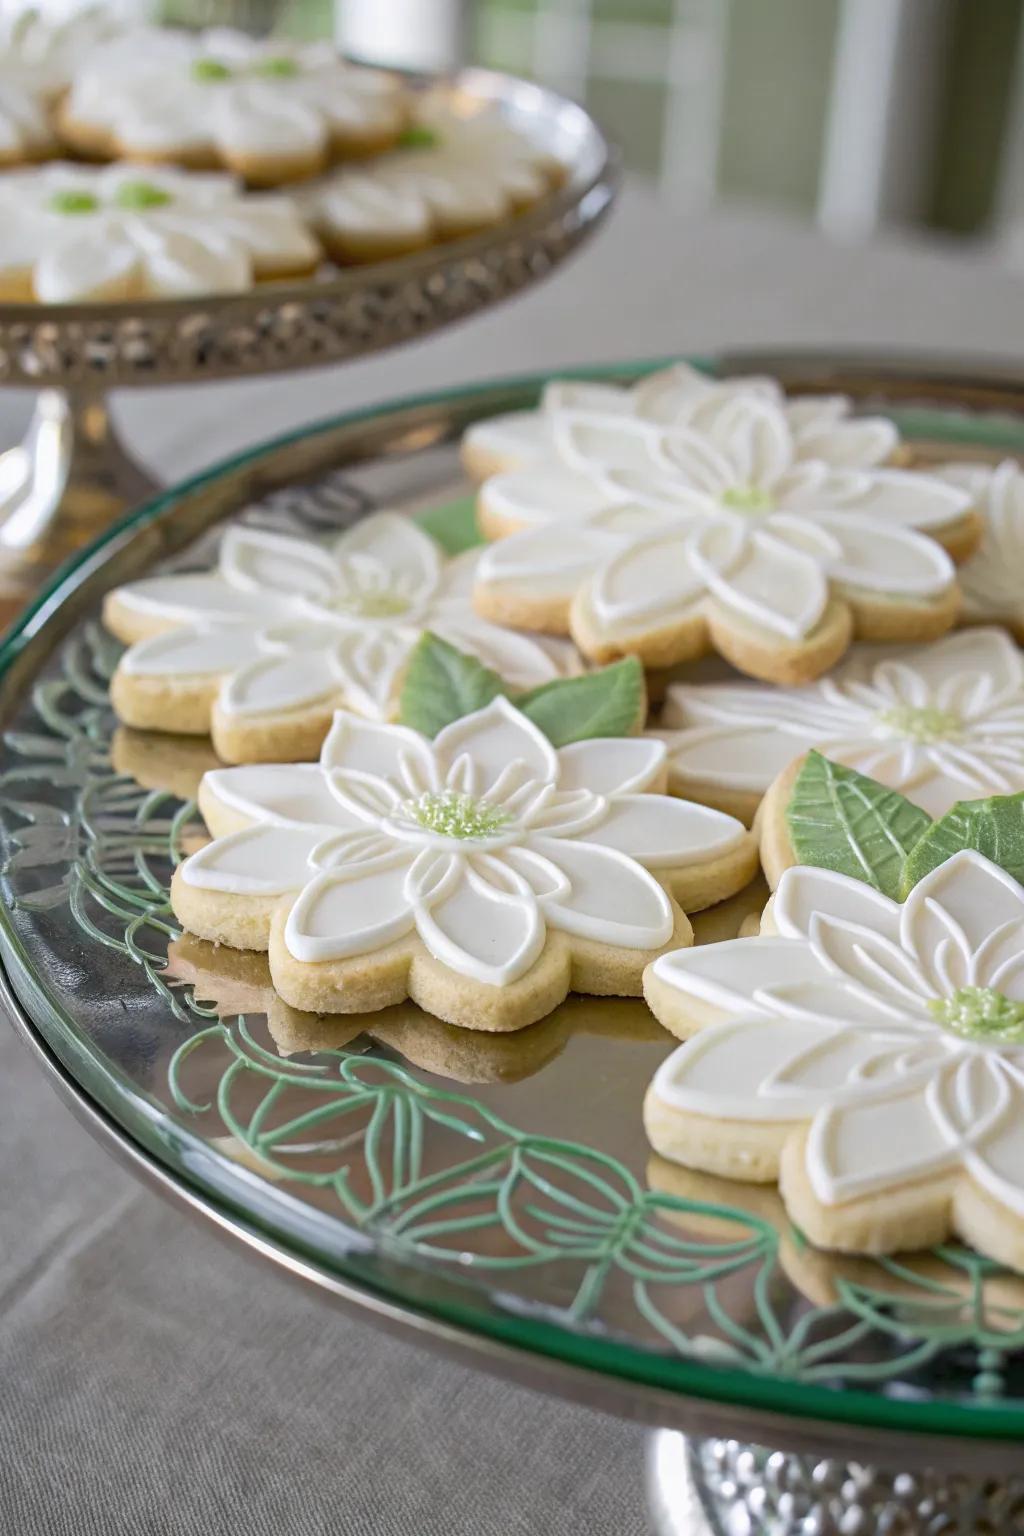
x=66, y=481
x=723, y=1488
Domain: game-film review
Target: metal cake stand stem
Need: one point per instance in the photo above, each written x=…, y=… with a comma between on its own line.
x=714, y=1487
x=67, y=480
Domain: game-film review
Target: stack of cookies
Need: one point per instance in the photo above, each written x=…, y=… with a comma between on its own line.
x=147, y=162
x=712, y=628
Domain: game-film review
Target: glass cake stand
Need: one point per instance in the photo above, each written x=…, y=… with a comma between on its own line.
x=70, y=477
x=492, y=1195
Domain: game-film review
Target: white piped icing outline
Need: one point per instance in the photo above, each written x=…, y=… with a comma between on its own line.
x=478, y=171
x=207, y=237
x=682, y=492
x=554, y=853
x=145, y=95
x=824, y=1021
x=739, y=736
x=284, y=620
x=992, y=581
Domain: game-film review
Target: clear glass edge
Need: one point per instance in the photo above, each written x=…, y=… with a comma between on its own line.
x=687, y=1378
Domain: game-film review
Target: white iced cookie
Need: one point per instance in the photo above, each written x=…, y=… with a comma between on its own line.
x=453, y=173
x=270, y=110
x=484, y=874
x=867, y=1054
x=72, y=232
x=262, y=650
x=992, y=581
x=940, y=723
x=678, y=395
x=38, y=55
x=684, y=516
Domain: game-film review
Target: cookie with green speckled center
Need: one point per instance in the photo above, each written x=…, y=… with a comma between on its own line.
x=939, y=723
x=484, y=873
x=270, y=110
x=864, y=1052
x=70, y=233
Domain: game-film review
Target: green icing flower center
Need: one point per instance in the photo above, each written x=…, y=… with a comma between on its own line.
x=210, y=70
x=921, y=723
x=451, y=814
x=980, y=1013
x=74, y=202
x=282, y=67
x=141, y=194
x=417, y=136
x=381, y=603
x=747, y=498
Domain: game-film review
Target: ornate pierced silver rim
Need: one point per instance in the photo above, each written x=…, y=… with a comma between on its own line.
x=339, y=314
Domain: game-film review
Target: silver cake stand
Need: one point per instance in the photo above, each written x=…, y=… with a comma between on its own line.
x=71, y=475
x=523, y=1225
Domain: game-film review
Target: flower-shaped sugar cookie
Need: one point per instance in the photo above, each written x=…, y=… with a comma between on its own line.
x=690, y=517
x=940, y=723
x=992, y=581
x=271, y=111
x=72, y=232
x=38, y=56
x=484, y=873
x=459, y=172
x=867, y=1054
x=263, y=650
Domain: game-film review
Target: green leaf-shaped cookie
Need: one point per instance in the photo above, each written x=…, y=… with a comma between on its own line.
x=442, y=685
x=610, y=702
x=839, y=819
x=995, y=827
x=453, y=525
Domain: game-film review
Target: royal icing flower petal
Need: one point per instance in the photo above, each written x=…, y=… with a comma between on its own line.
x=192, y=651
x=878, y=557
x=768, y=1069
x=907, y=499
x=858, y=444
x=738, y=975
x=480, y=932
x=550, y=563
x=253, y=560
x=992, y=579
x=405, y=552
x=491, y=740
x=263, y=860
x=366, y=666
x=805, y=893
x=892, y=1096
x=524, y=497
x=659, y=832
x=777, y=503
x=743, y=758
x=951, y=915
x=624, y=766
x=202, y=597
x=880, y=1143
x=281, y=794
x=273, y=683
x=940, y=723
x=647, y=580
x=391, y=753
x=351, y=911
x=761, y=579
x=611, y=899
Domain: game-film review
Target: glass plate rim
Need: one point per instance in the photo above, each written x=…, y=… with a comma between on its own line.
x=610, y=1357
